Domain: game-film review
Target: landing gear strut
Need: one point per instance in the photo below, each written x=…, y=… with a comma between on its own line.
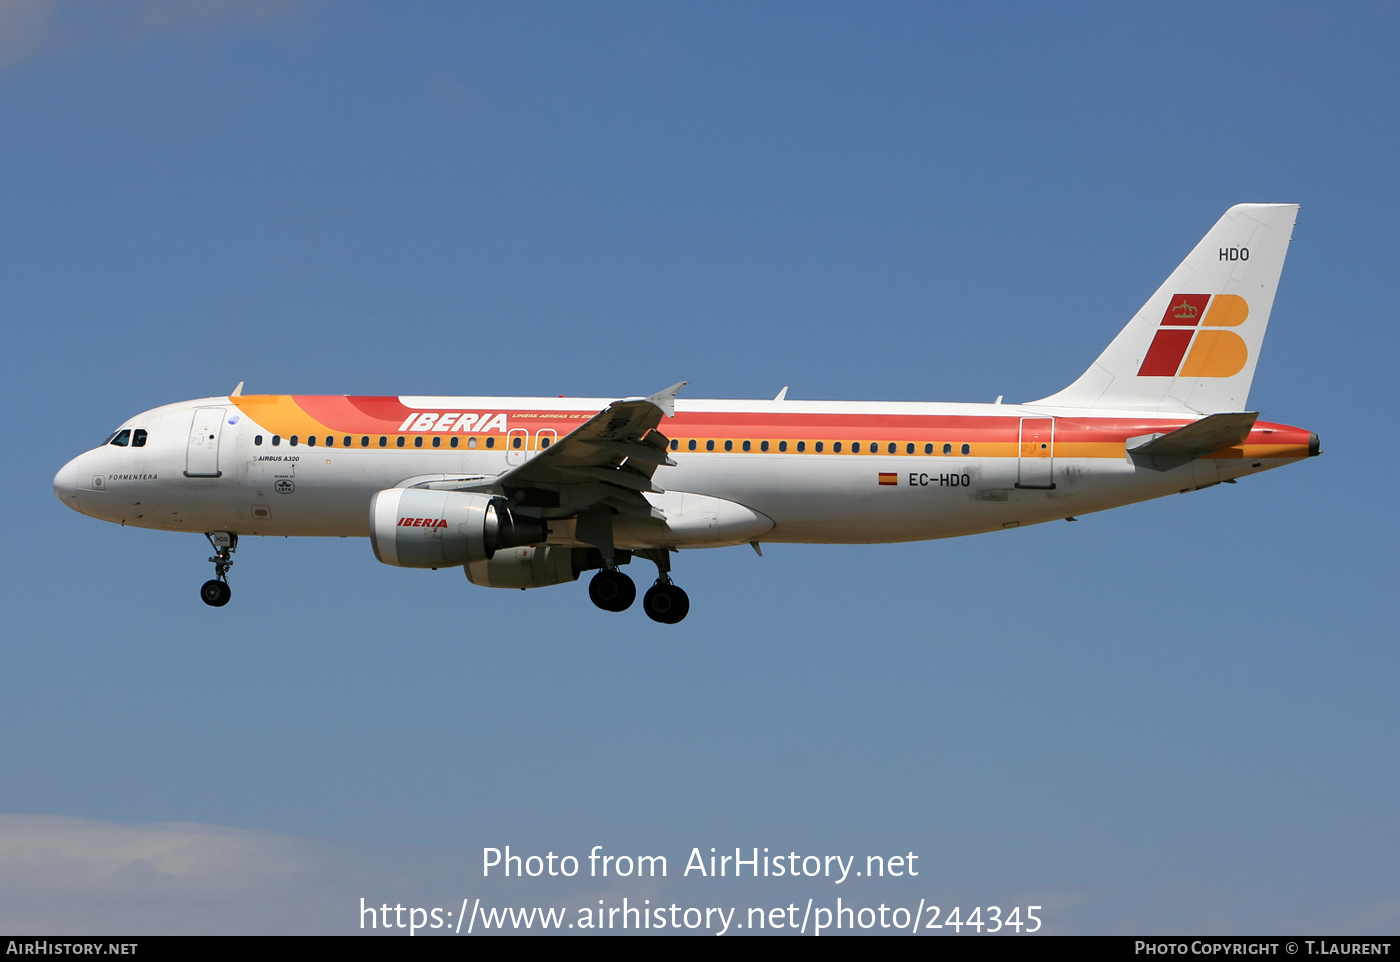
x=612, y=590
x=664, y=602
x=216, y=592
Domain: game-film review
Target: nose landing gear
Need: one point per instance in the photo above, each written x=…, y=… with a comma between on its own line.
x=216, y=592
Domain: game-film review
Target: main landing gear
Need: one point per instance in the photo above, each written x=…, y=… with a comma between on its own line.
x=666, y=603
x=663, y=602
x=216, y=592
x=612, y=590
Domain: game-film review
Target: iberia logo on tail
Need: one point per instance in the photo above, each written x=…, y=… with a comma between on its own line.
x=1192, y=321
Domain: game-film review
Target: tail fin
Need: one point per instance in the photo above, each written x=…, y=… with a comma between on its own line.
x=1192, y=347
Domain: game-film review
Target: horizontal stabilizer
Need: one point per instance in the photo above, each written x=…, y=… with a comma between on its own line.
x=1195, y=440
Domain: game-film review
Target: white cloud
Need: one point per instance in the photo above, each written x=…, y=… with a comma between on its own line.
x=70, y=876
x=30, y=27
x=23, y=25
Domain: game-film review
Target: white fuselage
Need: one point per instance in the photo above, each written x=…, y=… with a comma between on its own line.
x=253, y=486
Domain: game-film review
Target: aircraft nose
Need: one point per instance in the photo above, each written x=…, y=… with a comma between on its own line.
x=65, y=484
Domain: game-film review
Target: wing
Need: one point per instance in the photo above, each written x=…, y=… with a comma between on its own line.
x=609, y=460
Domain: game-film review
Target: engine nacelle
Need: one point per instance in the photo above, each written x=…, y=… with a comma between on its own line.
x=530, y=567
x=420, y=528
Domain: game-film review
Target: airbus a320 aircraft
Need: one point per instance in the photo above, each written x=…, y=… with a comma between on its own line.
x=527, y=492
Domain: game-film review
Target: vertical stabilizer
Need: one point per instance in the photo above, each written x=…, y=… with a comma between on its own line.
x=1193, y=346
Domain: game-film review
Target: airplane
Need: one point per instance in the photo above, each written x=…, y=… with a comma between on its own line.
x=528, y=492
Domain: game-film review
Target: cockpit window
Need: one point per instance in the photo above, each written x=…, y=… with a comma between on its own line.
x=121, y=439
x=138, y=438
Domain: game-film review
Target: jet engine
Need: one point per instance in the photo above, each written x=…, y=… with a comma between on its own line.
x=529, y=567
x=420, y=528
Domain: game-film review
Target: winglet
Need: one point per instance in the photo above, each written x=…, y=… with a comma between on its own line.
x=238, y=391
x=666, y=400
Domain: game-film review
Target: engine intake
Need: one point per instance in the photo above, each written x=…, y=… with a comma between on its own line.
x=420, y=528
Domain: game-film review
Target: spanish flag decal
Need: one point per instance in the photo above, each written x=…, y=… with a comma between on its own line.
x=888, y=478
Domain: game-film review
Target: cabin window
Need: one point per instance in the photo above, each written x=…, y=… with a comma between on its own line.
x=928, y=448
x=311, y=440
x=855, y=448
x=675, y=444
x=490, y=442
x=257, y=439
x=836, y=448
x=276, y=440
x=399, y=441
x=691, y=444
x=292, y=440
x=383, y=441
x=709, y=445
x=454, y=442
x=748, y=445
x=418, y=441
x=947, y=449
x=763, y=446
x=909, y=448
x=782, y=446
x=364, y=441
x=545, y=441
x=819, y=447
x=437, y=442
x=967, y=449
x=471, y=441
x=801, y=446
x=516, y=442
x=893, y=446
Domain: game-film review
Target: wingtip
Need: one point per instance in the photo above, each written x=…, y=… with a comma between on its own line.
x=666, y=400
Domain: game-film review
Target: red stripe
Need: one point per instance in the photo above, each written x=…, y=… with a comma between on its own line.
x=383, y=415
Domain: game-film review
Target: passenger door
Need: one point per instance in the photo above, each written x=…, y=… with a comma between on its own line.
x=202, y=455
x=1037, y=453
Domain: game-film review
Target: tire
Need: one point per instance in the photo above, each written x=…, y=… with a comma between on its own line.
x=666, y=604
x=215, y=594
x=612, y=590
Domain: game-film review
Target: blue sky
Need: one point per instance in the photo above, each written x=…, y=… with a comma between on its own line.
x=1177, y=716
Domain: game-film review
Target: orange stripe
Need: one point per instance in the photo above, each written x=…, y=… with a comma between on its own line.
x=990, y=436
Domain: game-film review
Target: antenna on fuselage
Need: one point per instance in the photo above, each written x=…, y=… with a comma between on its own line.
x=238, y=391
x=782, y=394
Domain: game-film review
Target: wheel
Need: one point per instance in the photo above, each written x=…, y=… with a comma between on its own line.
x=215, y=594
x=665, y=603
x=612, y=590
